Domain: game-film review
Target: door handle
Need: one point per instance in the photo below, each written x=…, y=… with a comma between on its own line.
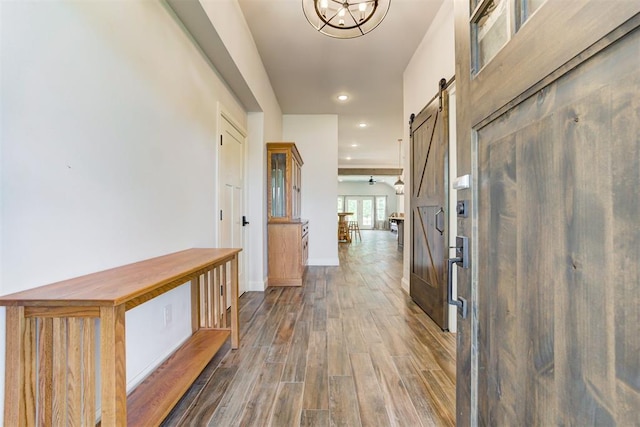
x=462, y=260
x=244, y=220
x=441, y=228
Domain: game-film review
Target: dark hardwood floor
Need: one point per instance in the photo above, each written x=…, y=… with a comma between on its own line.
x=348, y=348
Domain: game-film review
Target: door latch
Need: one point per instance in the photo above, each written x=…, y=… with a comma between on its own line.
x=461, y=260
x=244, y=221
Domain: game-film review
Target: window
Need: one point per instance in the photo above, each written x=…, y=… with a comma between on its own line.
x=490, y=31
x=493, y=23
x=340, y=203
x=381, y=208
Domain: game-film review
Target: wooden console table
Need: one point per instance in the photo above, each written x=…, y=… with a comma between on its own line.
x=50, y=374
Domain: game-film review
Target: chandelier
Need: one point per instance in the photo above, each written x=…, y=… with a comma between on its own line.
x=345, y=19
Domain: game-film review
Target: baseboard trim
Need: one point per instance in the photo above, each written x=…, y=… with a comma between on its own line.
x=257, y=285
x=405, y=285
x=323, y=262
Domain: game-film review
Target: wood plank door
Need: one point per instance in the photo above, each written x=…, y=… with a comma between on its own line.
x=429, y=154
x=549, y=131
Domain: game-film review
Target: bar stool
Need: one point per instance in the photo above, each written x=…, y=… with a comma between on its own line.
x=343, y=232
x=354, y=230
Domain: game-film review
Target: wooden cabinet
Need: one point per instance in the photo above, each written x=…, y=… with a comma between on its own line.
x=288, y=252
x=284, y=181
x=288, y=235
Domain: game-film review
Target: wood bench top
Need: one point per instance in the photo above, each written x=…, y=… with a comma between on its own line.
x=122, y=284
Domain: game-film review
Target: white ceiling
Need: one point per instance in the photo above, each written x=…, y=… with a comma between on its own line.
x=308, y=70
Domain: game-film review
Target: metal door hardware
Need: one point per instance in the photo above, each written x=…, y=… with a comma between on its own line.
x=462, y=208
x=462, y=260
x=244, y=221
x=439, y=219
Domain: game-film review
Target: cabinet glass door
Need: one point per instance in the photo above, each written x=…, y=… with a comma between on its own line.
x=278, y=188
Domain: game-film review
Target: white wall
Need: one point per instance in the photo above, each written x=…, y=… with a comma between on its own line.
x=264, y=126
x=108, y=151
x=433, y=60
x=316, y=137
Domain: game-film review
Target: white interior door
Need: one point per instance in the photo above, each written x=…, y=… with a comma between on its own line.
x=363, y=209
x=231, y=192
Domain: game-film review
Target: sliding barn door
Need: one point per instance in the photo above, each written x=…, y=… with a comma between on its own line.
x=549, y=129
x=429, y=148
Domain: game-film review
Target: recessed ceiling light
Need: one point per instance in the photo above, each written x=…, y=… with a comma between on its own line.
x=363, y=125
x=348, y=158
x=343, y=97
x=354, y=145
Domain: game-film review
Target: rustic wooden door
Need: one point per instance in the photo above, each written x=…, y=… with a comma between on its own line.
x=549, y=130
x=429, y=154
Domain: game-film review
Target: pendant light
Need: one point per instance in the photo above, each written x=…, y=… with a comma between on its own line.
x=345, y=19
x=399, y=185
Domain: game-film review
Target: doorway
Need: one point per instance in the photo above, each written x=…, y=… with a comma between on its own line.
x=231, y=192
x=363, y=210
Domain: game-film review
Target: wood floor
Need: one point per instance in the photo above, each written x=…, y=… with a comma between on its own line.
x=348, y=348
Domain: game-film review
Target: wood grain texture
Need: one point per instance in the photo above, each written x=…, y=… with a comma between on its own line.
x=260, y=407
x=45, y=370
x=89, y=373
x=151, y=401
x=122, y=284
x=287, y=264
x=314, y=418
x=74, y=370
x=296, y=364
x=556, y=174
x=398, y=404
x=30, y=370
x=495, y=86
x=430, y=411
x=235, y=328
x=316, y=383
x=429, y=202
x=370, y=399
x=343, y=402
x=233, y=402
x=342, y=370
x=56, y=361
x=59, y=381
x=61, y=311
x=112, y=366
x=287, y=408
x=14, y=414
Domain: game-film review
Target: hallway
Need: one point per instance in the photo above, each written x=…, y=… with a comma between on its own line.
x=349, y=348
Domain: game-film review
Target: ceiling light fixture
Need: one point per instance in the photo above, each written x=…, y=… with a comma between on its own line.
x=362, y=125
x=343, y=97
x=399, y=185
x=371, y=181
x=345, y=19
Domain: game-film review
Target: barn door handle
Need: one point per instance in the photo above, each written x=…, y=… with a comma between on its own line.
x=462, y=260
x=441, y=228
x=461, y=303
x=244, y=220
